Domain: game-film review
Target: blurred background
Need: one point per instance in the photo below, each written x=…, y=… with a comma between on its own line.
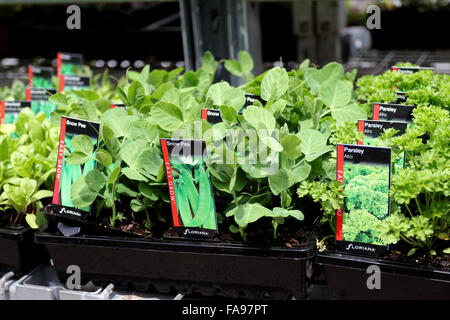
x=167, y=34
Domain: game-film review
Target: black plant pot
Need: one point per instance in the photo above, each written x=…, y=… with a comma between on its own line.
x=347, y=276
x=18, y=252
x=208, y=268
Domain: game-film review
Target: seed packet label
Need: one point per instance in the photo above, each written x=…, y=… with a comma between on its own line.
x=190, y=188
x=67, y=174
x=365, y=172
x=373, y=129
x=213, y=116
x=9, y=110
x=392, y=112
x=39, y=100
x=118, y=105
x=40, y=77
x=250, y=100
x=68, y=83
x=69, y=64
x=410, y=69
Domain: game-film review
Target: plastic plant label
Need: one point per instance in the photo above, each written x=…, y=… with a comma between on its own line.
x=69, y=64
x=190, y=189
x=401, y=97
x=39, y=100
x=9, y=110
x=365, y=172
x=410, y=69
x=372, y=129
x=67, y=174
x=118, y=105
x=392, y=112
x=213, y=116
x=40, y=77
x=250, y=100
x=68, y=83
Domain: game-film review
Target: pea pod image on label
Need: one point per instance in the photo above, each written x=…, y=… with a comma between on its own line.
x=190, y=188
x=67, y=174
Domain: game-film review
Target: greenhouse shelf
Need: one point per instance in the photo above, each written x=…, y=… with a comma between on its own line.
x=43, y=284
x=6, y=281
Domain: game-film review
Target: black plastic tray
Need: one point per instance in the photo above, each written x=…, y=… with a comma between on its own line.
x=347, y=276
x=18, y=252
x=208, y=268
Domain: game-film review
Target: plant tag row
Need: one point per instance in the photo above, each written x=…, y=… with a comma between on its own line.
x=365, y=171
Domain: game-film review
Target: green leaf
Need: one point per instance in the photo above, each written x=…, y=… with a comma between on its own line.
x=130, y=152
x=95, y=180
x=447, y=251
x=167, y=115
x=269, y=141
x=118, y=121
x=349, y=113
x=313, y=144
x=123, y=189
x=222, y=94
x=27, y=187
x=260, y=118
x=279, y=182
x=336, y=93
x=114, y=175
x=83, y=144
x=234, y=67
x=411, y=252
x=82, y=196
x=136, y=94
x=123, y=96
x=291, y=146
x=31, y=220
x=41, y=194
x=248, y=213
x=136, y=205
x=246, y=61
x=274, y=84
x=87, y=94
x=103, y=157
x=233, y=229
x=333, y=70
x=148, y=191
x=76, y=158
x=133, y=174
x=297, y=214
x=228, y=114
x=299, y=172
x=209, y=64
x=58, y=99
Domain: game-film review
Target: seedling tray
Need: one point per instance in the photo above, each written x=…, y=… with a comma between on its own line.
x=347, y=279
x=18, y=252
x=207, y=268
